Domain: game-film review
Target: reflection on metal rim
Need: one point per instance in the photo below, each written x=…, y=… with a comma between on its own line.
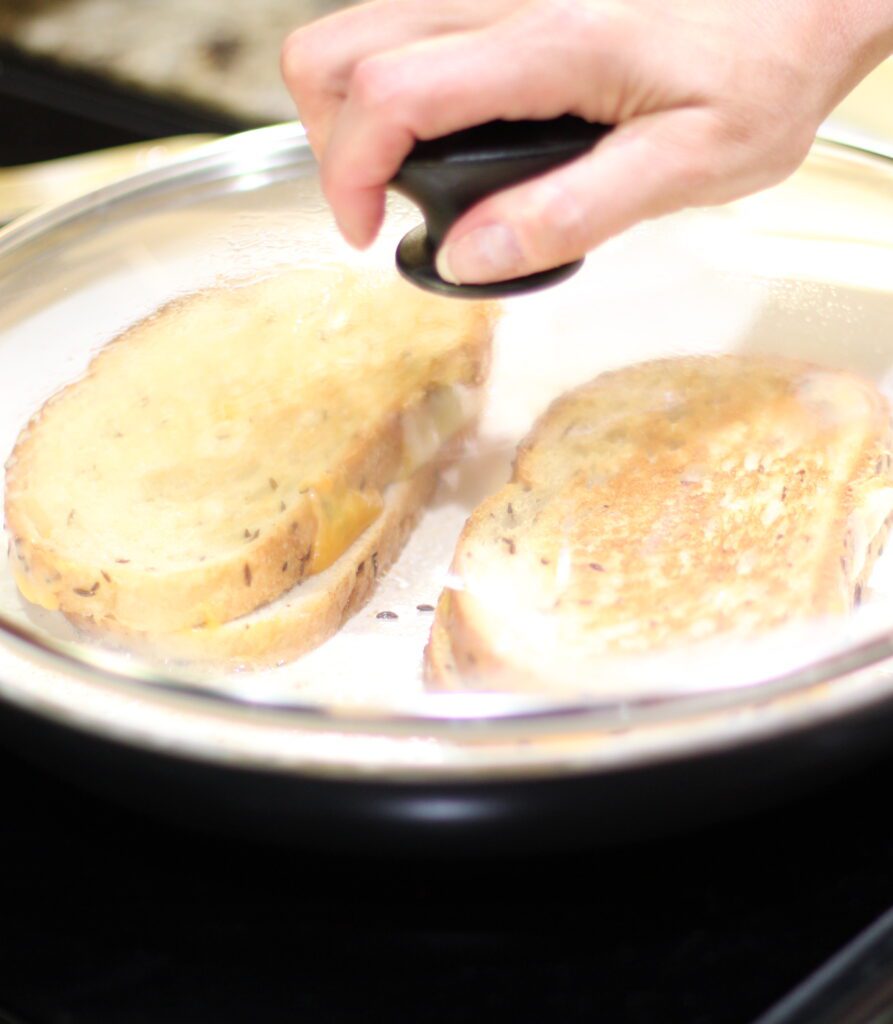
x=443, y=709
x=836, y=134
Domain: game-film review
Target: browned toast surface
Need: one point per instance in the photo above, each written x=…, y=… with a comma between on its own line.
x=666, y=504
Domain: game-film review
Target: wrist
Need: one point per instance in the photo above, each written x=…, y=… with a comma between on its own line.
x=859, y=36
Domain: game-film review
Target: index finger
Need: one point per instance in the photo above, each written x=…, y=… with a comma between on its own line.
x=435, y=87
x=317, y=60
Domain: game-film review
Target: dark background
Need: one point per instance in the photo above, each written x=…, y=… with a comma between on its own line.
x=108, y=917
x=47, y=111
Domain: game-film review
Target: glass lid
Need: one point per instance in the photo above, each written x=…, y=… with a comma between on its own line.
x=293, y=483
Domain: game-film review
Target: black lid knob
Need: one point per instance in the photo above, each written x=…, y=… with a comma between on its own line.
x=447, y=176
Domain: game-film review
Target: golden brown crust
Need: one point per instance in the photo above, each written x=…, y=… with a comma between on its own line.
x=669, y=503
x=439, y=665
x=309, y=614
x=267, y=557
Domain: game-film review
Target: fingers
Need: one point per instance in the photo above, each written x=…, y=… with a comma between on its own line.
x=434, y=87
x=649, y=167
x=702, y=93
x=318, y=60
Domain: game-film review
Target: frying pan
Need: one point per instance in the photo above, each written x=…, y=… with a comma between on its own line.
x=339, y=750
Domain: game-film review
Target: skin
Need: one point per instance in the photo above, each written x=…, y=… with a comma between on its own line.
x=712, y=99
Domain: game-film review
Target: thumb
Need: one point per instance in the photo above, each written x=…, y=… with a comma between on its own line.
x=648, y=167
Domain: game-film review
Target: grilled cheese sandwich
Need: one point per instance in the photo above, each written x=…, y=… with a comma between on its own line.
x=234, y=444
x=667, y=505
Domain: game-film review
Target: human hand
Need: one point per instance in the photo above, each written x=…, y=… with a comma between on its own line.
x=712, y=99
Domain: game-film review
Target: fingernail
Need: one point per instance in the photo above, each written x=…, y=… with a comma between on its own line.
x=486, y=254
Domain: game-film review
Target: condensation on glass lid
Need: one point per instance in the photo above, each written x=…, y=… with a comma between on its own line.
x=667, y=291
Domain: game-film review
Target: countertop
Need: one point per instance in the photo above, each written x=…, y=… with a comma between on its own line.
x=220, y=55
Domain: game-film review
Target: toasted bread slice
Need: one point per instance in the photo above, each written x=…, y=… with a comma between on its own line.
x=664, y=505
x=235, y=443
x=308, y=614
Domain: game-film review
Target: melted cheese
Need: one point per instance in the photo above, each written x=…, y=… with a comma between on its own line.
x=341, y=516
x=32, y=592
x=209, y=618
x=433, y=421
x=866, y=522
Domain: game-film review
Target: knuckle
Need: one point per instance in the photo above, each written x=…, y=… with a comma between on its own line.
x=374, y=84
x=696, y=177
x=598, y=24
x=741, y=128
x=296, y=61
x=725, y=144
x=606, y=29
x=691, y=157
x=554, y=225
x=754, y=139
x=567, y=221
x=699, y=171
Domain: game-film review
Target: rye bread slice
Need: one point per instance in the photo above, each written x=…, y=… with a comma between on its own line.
x=669, y=504
x=234, y=432
x=303, y=617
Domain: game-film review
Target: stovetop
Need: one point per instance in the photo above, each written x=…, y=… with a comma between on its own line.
x=110, y=917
